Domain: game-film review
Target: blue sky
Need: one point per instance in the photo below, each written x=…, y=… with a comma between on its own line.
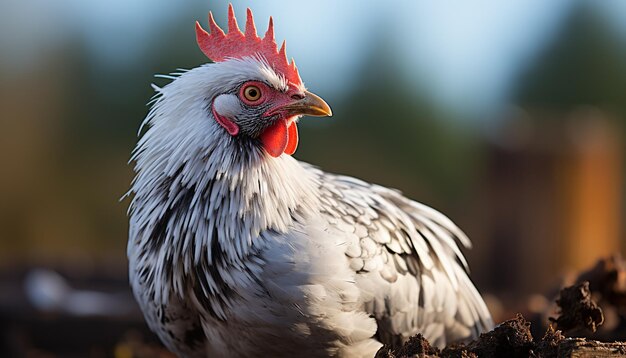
x=464, y=53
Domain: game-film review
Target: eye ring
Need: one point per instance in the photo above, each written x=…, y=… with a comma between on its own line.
x=252, y=93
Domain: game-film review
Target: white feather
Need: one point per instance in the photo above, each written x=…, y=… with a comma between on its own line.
x=270, y=256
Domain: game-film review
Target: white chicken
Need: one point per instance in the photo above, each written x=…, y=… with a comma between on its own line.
x=237, y=249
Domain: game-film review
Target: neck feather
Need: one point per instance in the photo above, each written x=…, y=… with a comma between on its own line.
x=216, y=207
x=202, y=196
x=227, y=191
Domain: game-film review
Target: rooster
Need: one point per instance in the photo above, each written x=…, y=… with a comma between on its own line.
x=237, y=249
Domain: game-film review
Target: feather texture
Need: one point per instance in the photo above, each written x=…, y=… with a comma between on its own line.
x=236, y=253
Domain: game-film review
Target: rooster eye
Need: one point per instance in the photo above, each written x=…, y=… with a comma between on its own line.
x=252, y=93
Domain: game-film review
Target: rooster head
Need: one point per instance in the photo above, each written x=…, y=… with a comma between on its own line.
x=261, y=95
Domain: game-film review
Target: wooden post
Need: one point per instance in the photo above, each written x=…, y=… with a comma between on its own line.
x=592, y=178
x=553, y=195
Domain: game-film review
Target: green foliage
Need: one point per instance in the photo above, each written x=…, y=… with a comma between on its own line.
x=388, y=131
x=584, y=65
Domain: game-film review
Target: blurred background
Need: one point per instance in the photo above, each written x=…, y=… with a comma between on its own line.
x=507, y=116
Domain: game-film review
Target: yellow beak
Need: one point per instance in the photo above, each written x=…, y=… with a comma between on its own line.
x=310, y=105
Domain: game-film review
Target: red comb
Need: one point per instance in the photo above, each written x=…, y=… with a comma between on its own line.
x=218, y=46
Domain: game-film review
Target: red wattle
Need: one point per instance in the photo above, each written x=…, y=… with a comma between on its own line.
x=275, y=138
x=292, y=139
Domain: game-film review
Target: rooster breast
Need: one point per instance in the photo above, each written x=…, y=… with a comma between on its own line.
x=342, y=269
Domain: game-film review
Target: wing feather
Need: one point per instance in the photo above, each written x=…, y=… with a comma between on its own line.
x=410, y=269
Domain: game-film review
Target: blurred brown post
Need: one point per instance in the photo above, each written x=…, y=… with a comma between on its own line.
x=592, y=179
x=553, y=196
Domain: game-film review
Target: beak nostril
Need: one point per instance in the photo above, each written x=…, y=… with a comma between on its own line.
x=298, y=96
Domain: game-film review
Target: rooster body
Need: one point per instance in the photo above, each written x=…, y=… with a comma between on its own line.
x=237, y=249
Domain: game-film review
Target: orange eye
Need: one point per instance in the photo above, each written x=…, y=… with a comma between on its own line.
x=252, y=93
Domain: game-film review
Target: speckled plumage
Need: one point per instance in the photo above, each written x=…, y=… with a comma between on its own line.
x=236, y=253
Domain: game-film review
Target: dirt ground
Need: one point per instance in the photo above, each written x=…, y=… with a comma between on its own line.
x=572, y=332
